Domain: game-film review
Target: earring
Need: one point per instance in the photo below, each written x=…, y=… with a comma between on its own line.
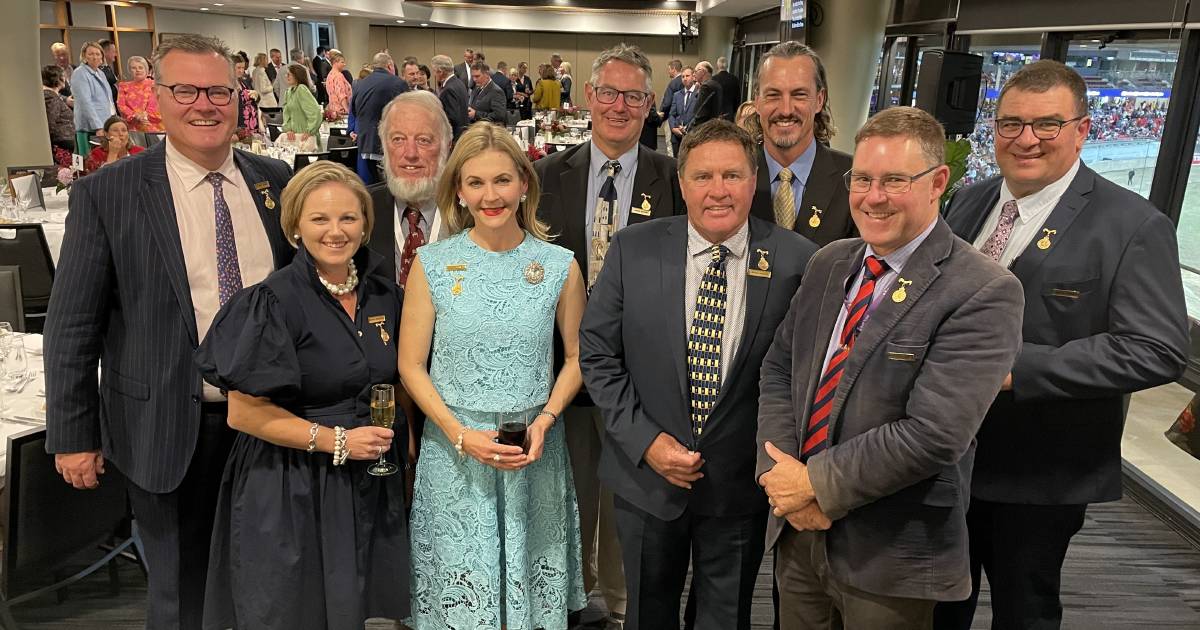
x=295, y=237
x=461, y=203
x=523, y=198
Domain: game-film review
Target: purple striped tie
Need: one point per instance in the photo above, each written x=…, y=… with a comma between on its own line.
x=229, y=273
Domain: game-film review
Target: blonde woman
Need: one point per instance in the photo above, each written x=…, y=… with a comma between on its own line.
x=262, y=82
x=566, y=81
x=336, y=84
x=495, y=526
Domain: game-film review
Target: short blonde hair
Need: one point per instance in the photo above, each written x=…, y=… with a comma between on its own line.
x=312, y=177
x=481, y=137
x=334, y=55
x=908, y=122
x=83, y=50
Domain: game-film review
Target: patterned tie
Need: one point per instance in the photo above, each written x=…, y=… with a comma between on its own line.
x=229, y=274
x=604, y=221
x=704, y=340
x=816, y=438
x=994, y=247
x=785, y=204
x=415, y=239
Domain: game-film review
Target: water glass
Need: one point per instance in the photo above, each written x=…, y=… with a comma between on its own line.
x=512, y=427
x=16, y=366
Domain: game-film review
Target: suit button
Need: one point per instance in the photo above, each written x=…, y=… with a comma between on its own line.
x=360, y=333
x=195, y=398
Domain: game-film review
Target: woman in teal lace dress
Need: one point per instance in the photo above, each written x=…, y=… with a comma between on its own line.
x=494, y=530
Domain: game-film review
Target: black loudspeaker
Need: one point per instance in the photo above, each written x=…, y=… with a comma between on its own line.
x=948, y=88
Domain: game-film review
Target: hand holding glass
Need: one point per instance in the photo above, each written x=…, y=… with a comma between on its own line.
x=383, y=414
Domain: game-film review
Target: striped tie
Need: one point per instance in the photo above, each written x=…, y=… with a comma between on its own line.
x=816, y=438
x=704, y=340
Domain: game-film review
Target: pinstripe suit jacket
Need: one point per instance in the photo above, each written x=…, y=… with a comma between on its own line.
x=121, y=298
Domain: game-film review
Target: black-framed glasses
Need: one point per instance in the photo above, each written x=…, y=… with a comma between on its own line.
x=1043, y=128
x=186, y=93
x=891, y=184
x=633, y=98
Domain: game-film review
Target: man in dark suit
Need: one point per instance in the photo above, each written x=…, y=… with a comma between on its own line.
x=792, y=104
x=675, y=71
x=487, y=99
x=452, y=92
x=500, y=78
x=708, y=95
x=683, y=109
x=643, y=184
x=144, y=269
x=371, y=94
x=872, y=392
x=322, y=68
x=670, y=347
x=731, y=90
x=463, y=70
x=1104, y=317
x=110, y=59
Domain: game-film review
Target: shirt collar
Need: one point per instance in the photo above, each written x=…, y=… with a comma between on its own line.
x=1035, y=205
x=192, y=174
x=897, y=259
x=627, y=159
x=800, y=168
x=737, y=243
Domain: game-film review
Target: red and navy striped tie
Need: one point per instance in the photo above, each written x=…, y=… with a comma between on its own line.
x=816, y=438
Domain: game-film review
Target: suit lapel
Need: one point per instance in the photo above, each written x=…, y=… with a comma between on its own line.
x=280, y=249
x=156, y=203
x=757, y=289
x=573, y=184
x=674, y=258
x=646, y=188
x=1059, y=221
x=972, y=224
x=819, y=189
x=763, y=206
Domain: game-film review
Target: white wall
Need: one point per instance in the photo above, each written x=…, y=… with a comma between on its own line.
x=253, y=35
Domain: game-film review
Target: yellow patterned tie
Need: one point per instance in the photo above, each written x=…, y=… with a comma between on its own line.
x=704, y=341
x=785, y=204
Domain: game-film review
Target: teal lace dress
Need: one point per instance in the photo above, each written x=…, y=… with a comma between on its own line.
x=493, y=548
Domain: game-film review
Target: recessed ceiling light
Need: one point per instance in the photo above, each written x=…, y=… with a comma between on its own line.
x=291, y=17
x=1083, y=45
x=295, y=8
x=274, y=20
x=343, y=13
x=424, y=24
x=399, y=21
x=203, y=8
x=218, y=4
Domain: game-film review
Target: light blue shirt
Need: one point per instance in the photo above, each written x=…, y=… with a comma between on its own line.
x=93, y=98
x=801, y=169
x=895, y=262
x=623, y=180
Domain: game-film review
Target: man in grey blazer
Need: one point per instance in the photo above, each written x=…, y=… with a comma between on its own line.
x=136, y=289
x=1104, y=317
x=872, y=391
x=670, y=345
x=487, y=99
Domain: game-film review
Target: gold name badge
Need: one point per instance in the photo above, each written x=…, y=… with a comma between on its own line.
x=899, y=295
x=376, y=319
x=262, y=185
x=764, y=265
x=456, y=267
x=901, y=356
x=1044, y=242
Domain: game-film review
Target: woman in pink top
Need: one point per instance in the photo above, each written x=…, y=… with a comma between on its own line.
x=336, y=84
x=135, y=98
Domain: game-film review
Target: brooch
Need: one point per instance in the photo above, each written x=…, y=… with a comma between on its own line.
x=534, y=273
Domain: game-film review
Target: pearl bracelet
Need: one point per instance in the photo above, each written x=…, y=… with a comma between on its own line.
x=312, y=437
x=339, y=446
x=458, y=444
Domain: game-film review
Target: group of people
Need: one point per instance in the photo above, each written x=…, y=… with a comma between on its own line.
x=760, y=345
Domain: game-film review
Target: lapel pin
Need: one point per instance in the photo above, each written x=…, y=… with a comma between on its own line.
x=899, y=295
x=379, y=321
x=815, y=220
x=1044, y=242
x=643, y=209
x=268, y=202
x=764, y=265
x=458, y=277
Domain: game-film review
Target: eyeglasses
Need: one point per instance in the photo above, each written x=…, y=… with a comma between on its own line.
x=633, y=98
x=186, y=94
x=1043, y=128
x=891, y=184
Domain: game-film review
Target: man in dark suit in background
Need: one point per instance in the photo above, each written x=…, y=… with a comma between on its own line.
x=683, y=108
x=731, y=90
x=872, y=392
x=793, y=105
x=671, y=343
x=109, y=68
x=675, y=71
x=463, y=70
x=487, y=99
x=144, y=269
x=1104, y=317
x=500, y=78
x=371, y=94
x=321, y=68
x=708, y=95
x=636, y=184
x=452, y=92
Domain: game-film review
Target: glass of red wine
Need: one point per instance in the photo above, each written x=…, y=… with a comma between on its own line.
x=512, y=427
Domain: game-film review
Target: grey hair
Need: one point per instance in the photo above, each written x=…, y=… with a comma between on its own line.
x=140, y=58
x=194, y=44
x=705, y=66
x=823, y=127
x=427, y=101
x=296, y=54
x=629, y=54
x=381, y=60
x=441, y=63
x=722, y=63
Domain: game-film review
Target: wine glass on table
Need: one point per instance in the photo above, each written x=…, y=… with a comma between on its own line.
x=383, y=414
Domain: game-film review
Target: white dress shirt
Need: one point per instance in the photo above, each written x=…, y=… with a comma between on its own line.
x=196, y=216
x=1032, y=212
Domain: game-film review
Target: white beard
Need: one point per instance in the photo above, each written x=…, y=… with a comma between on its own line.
x=411, y=191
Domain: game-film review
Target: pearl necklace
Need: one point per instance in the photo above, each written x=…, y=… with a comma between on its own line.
x=345, y=287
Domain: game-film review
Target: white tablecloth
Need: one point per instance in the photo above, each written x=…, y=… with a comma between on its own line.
x=25, y=409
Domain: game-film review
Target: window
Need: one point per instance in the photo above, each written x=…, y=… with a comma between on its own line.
x=1188, y=235
x=1000, y=60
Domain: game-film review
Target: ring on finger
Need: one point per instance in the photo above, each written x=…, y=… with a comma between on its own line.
x=496, y=458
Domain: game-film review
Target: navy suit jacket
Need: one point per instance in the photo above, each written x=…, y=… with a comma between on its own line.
x=673, y=86
x=454, y=97
x=681, y=116
x=371, y=94
x=121, y=299
x=825, y=196
x=1104, y=317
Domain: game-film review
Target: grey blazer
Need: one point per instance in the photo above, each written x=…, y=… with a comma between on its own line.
x=121, y=297
x=633, y=352
x=895, y=478
x=1104, y=317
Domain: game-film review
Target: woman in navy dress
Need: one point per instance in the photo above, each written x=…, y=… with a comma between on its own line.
x=304, y=538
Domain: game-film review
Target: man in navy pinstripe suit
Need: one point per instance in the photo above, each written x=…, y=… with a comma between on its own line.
x=136, y=289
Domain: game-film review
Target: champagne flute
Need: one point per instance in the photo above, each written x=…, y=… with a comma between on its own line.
x=383, y=414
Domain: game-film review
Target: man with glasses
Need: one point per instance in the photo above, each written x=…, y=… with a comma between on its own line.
x=154, y=247
x=588, y=193
x=1104, y=317
x=872, y=392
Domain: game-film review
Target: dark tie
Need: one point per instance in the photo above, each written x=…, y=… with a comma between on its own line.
x=704, y=341
x=415, y=239
x=685, y=100
x=229, y=274
x=604, y=221
x=816, y=438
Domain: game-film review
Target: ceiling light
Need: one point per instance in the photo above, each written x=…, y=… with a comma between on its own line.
x=343, y=13
x=274, y=20
x=291, y=17
x=218, y=4
x=424, y=24
x=295, y=8
x=1083, y=45
x=399, y=21
x=203, y=8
